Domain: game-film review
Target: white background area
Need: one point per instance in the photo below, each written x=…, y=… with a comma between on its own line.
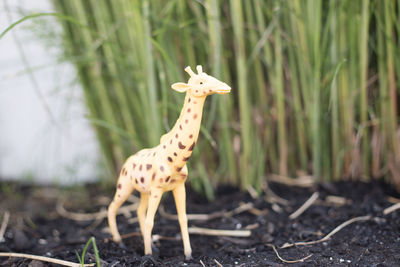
x=44, y=135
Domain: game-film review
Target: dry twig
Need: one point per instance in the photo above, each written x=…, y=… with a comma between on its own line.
x=252, y=192
x=305, y=206
x=252, y=226
x=206, y=217
x=4, y=224
x=302, y=181
x=391, y=208
x=202, y=263
x=334, y=231
x=91, y=216
x=219, y=264
x=273, y=198
x=155, y=238
x=288, y=261
x=337, y=200
x=393, y=200
x=217, y=232
x=42, y=258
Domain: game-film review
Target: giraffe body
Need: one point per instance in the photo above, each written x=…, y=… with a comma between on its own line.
x=156, y=170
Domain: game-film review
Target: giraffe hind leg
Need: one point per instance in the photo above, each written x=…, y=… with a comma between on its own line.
x=124, y=189
x=141, y=211
x=153, y=203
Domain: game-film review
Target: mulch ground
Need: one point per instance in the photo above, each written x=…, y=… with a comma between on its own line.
x=44, y=221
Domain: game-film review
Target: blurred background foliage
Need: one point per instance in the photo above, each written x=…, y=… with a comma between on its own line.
x=314, y=83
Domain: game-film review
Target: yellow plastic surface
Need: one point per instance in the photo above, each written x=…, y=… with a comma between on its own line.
x=156, y=170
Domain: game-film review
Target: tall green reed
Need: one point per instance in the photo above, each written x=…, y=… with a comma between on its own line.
x=315, y=83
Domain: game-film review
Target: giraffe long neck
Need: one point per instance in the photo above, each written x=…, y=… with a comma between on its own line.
x=181, y=140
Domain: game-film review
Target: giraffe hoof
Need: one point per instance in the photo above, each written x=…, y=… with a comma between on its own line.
x=188, y=257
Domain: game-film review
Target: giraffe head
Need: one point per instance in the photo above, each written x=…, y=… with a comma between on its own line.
x=201, y=84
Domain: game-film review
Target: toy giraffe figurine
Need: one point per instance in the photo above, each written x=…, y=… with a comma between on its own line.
x=163, y=168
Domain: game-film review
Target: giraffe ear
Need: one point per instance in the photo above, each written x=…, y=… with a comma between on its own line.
x=180, y=87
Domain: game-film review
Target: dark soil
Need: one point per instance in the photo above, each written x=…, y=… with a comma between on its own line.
x=36, y=228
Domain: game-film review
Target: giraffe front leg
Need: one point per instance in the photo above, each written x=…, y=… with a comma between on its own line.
x=180, y=202
x=154, y=201
x=141, y=211
x=124, y=189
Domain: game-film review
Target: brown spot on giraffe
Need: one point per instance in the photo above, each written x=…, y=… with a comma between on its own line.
x=153, y=176
x=154, y=154
x=119, y=186
x=134, y=166
x=136, y=181
x=148, y=166
x=186, y=121
x=185, y=158
x=181, y=146
x=183, y=176
x=140, y=167
x=195, y=116
x=192, y=146
x=155, y=196
x=175, y=154
x=169, y=159
x=161, y=180
x=162, y=168
x=176, y=136
x=166, y=180
x=189, y=100
x=188, y=110
x=180, y=127
x=191, y=136
x=178, y=169
x=119, y=195
x=142, y=180
x=173, y=181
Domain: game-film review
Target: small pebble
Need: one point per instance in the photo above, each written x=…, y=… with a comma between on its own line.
x=42, y=241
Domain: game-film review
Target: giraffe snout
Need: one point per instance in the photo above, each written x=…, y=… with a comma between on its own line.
x=223, y=88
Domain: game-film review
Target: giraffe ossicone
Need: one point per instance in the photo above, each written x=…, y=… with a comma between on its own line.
x=156, y=170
